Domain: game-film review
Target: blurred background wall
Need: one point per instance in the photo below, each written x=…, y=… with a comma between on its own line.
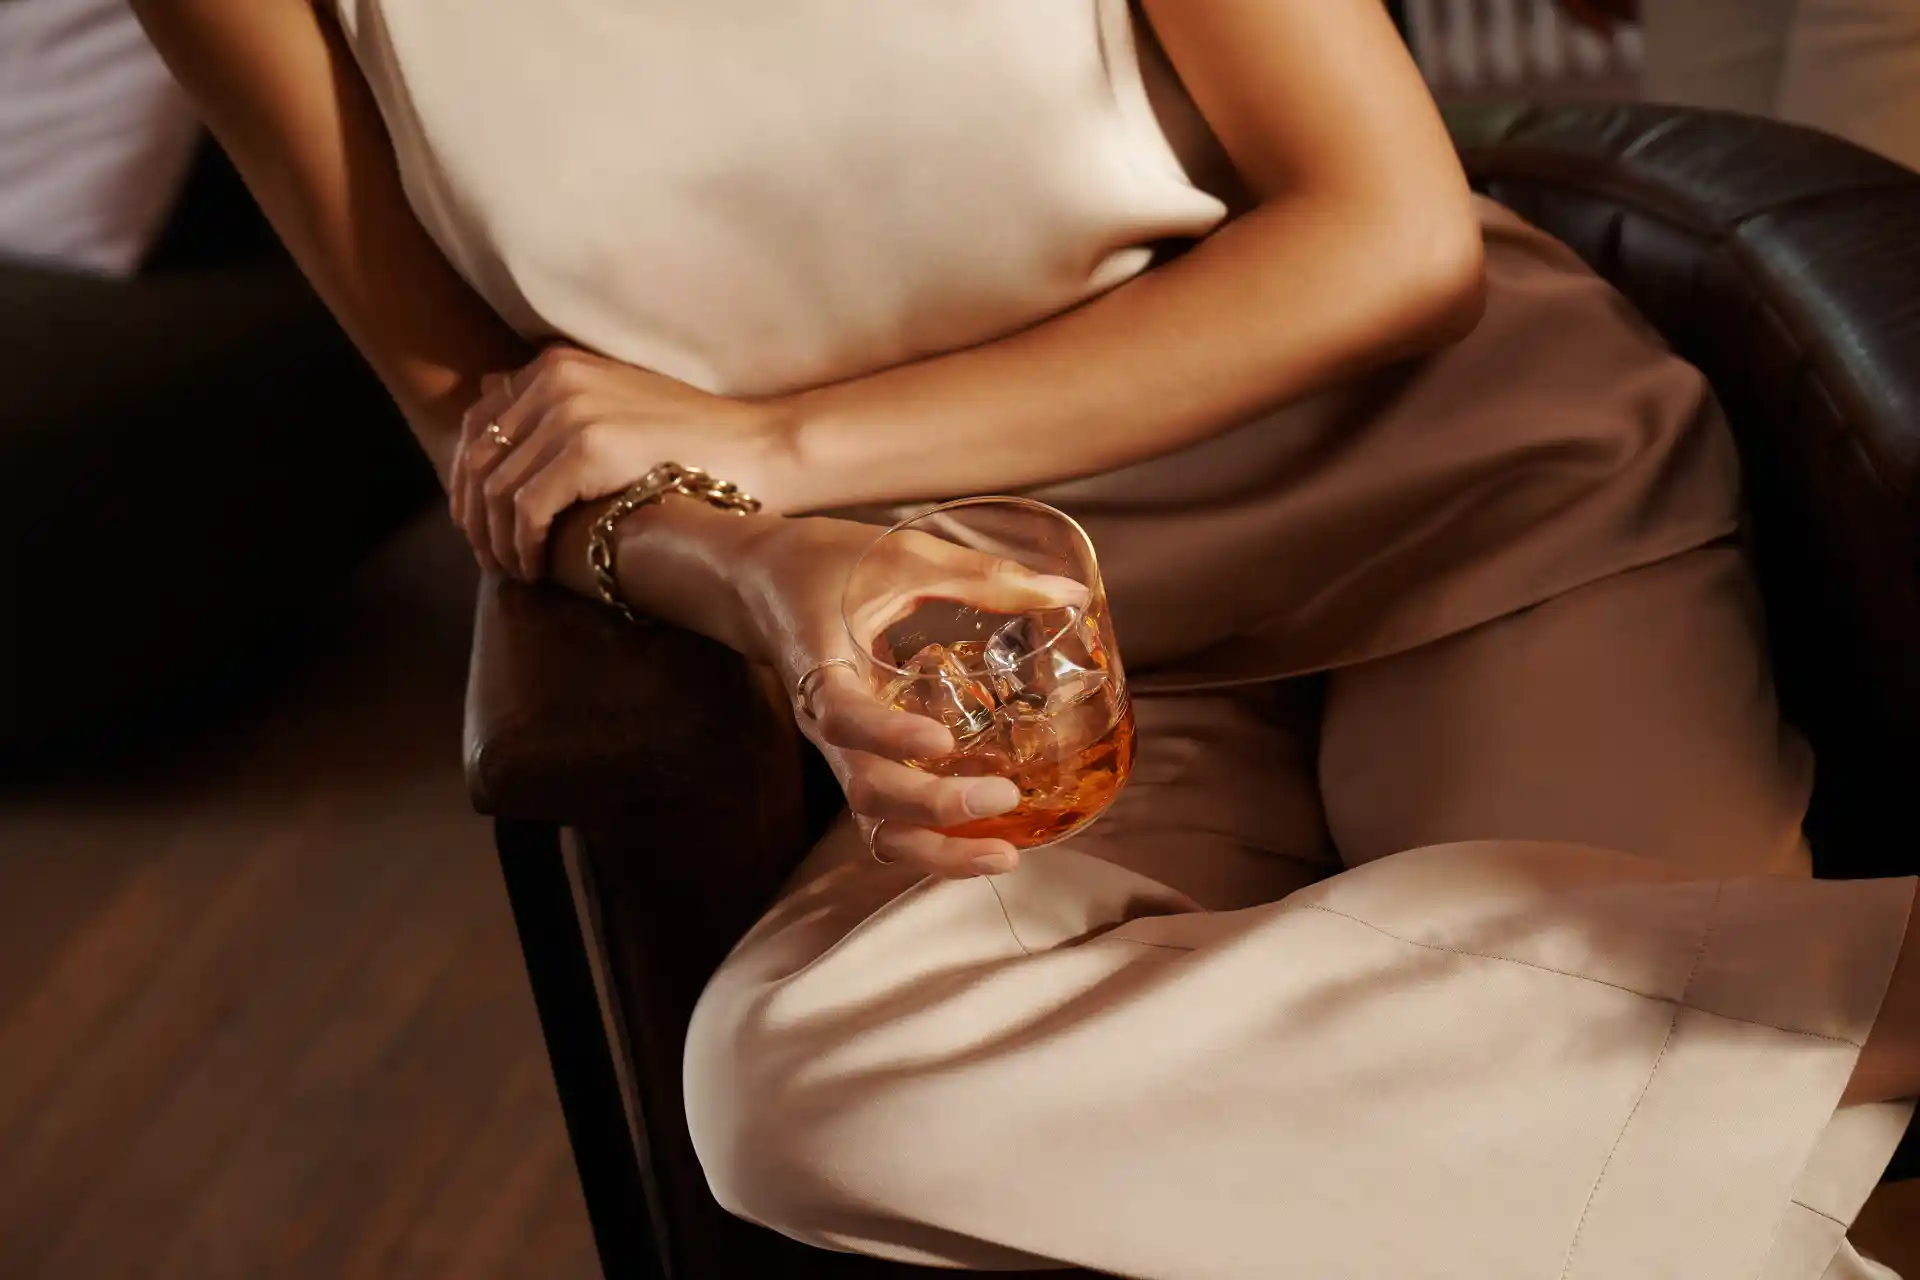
x=1505, y=49
x=1848, y=67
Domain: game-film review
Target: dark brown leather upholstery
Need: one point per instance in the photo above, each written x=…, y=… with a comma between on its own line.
x=188, y=461
x=1785, y=263
x=631, y=723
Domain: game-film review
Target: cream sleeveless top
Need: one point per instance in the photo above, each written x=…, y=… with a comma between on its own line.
x=757, y=196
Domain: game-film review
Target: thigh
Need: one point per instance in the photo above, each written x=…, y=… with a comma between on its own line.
x=1221, y=808
x=1636, y=713
x=1223, y=805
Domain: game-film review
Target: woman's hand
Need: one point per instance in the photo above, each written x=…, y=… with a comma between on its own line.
x=793, y=586
x=572, y=426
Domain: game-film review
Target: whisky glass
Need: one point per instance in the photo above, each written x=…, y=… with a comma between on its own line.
x=988, y=615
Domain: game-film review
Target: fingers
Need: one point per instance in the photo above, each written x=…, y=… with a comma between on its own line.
x=852, y=719
x=566, y=447
x=869, y=742
x=491, y=430
x=912, y=797
x=949, y=857
x=489, y=524
x=498, y=435
x=567, y=464
x=544, y=440
x=560, y=481
x=495, y=396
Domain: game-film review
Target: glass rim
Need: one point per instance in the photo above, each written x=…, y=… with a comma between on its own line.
x=1094, y=588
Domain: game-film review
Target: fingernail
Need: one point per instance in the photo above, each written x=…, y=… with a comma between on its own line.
x=995, y=864
x=991, y=797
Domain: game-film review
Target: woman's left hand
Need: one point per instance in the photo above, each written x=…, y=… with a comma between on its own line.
x=572, y=426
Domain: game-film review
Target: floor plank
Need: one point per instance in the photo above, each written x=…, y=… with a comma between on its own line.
x=261, y=1004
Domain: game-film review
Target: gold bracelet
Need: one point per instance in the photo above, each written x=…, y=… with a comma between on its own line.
x=668, y=477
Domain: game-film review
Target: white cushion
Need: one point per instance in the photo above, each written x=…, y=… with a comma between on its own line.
x=95, y=137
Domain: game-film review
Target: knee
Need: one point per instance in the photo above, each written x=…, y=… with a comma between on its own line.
x=762, y=1136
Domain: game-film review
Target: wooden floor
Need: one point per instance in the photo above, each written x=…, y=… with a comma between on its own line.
x=261, y=1010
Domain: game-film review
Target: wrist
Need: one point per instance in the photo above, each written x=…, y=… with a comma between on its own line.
x=690, y=565
x=754, y=558
x=780, y=477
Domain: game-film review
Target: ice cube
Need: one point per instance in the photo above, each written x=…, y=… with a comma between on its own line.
x=1068, y=669
x=1080, y=711
x=1025, y=728
x=1056, y=725
x=936, y=684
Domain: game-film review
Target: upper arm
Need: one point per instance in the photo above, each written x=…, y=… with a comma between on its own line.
x=1322, y=97
x=283, y=96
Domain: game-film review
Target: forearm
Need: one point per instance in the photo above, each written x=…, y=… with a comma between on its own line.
x=1288, y=299
x=280, y=91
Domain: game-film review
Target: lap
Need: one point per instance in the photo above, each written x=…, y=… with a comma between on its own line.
x=1634, y=714
x=1582, y=801
x=1221, y=806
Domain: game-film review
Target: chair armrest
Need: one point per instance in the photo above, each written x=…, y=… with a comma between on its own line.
x=677, y=767
x=577, y=718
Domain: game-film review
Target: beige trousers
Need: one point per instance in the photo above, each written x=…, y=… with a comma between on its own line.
x=1850, y=67
x=1574, y=1008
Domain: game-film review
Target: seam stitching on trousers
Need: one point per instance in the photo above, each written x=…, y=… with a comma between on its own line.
x=1007, y=916
x=1159, y=946
x=1580, y=977
x=1673, y=1026
x=1819, y=1213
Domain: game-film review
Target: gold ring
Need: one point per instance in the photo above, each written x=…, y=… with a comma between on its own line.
x=809, y=681
x=873, y=844
x=499, y=437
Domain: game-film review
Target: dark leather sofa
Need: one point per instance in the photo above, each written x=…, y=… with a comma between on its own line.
x=189, y=461
x=1785, y=263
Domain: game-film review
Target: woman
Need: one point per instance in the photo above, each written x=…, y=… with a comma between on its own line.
x=1419, y=541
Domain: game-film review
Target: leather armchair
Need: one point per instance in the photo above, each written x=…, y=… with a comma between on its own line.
x=167, y=444
x=1784, y=263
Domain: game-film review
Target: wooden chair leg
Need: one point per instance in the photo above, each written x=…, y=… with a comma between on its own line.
x=555, y=949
